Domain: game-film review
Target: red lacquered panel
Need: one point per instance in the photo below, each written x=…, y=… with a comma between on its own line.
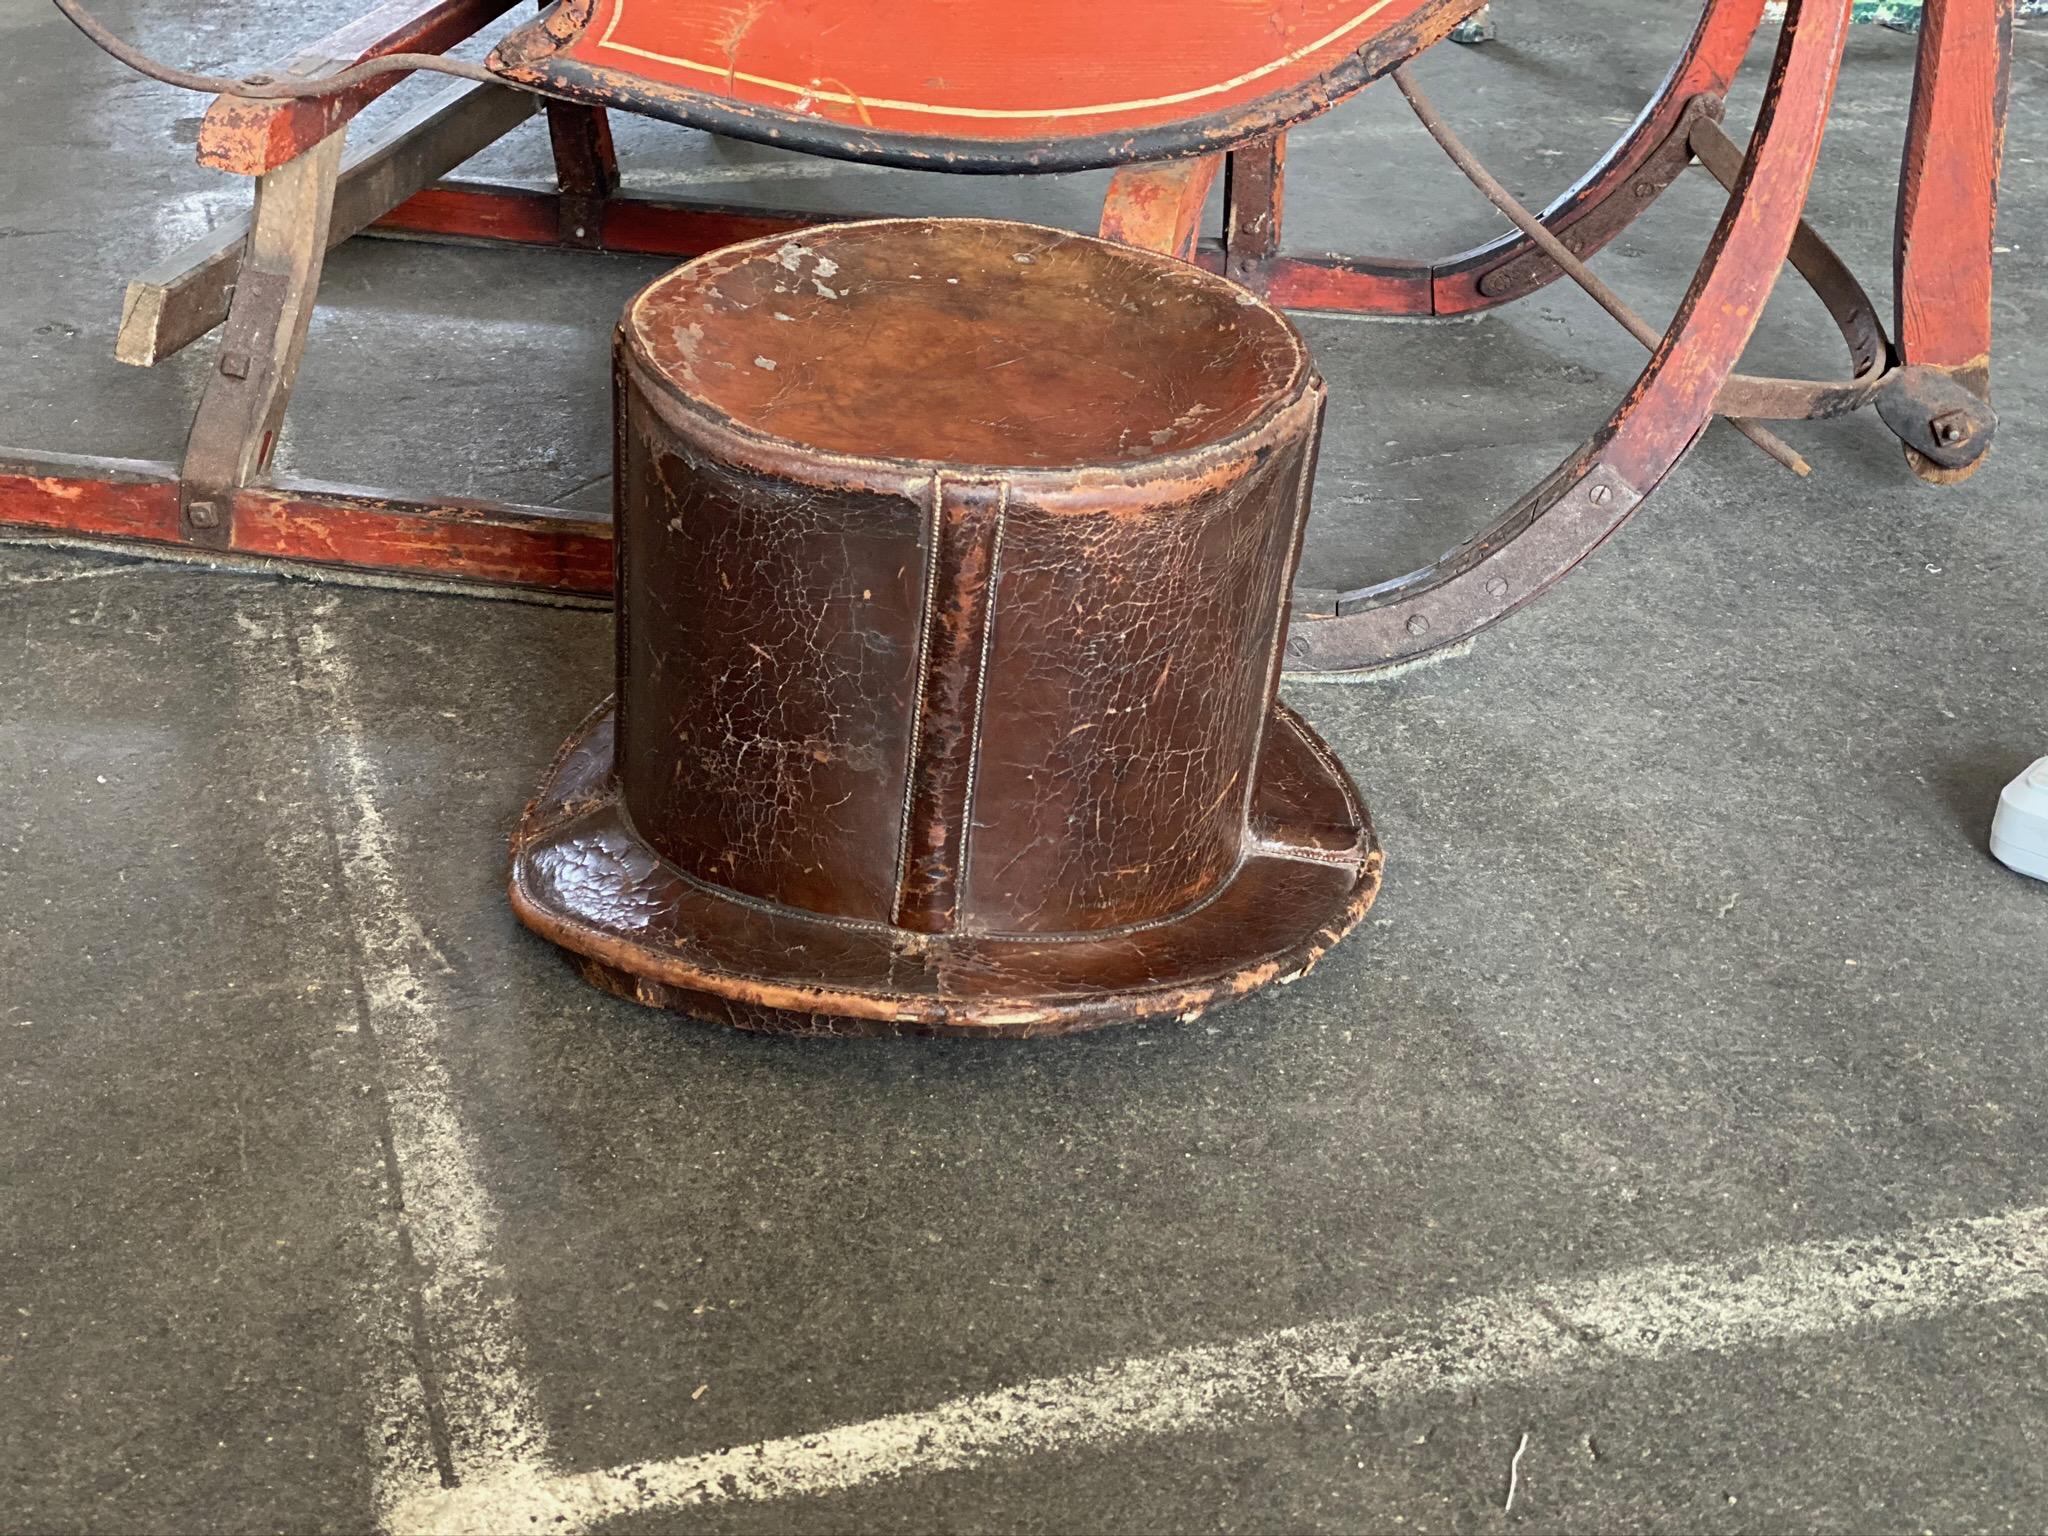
x=976, y=80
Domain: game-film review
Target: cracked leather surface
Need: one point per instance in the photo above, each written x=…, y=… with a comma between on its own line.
x=770, y=670
x=585, y=879
x=1131, y=653
x=960, y=716
x=965, y=342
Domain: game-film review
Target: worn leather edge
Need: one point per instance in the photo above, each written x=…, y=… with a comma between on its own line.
x=765, y=452
x=634, y=969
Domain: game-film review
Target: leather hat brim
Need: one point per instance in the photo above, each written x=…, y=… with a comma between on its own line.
x=584, y=878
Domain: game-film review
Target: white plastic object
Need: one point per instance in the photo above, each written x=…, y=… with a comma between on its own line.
x=2019, y=830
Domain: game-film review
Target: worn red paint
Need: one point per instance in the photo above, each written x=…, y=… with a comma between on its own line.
x=1948, y=198
x=1159, y=207
x=1948, y=190
x=249, y=136
x=1712, y=58
x=1056, y=68
x=445, y=538
x=1333, y=283
x=1594, y=491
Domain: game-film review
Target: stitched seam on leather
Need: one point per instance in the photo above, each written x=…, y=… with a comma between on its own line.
x=622, y=639
x=711, y=888
x=563, y=826
x=1304, y=489
x=530, y=830
x=1360, y=853
x=988, y=635
x=1346, y=858
x=858, y=924
x=915, y=757
x=855, y=924
x=1320, y=750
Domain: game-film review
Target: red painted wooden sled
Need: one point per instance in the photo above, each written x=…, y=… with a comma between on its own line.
x=946, y=86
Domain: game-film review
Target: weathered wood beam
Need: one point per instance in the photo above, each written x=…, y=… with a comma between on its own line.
x=431, y=538
x=250, y=136
x=263, y=341
x=182, y=298
x=1158, y=206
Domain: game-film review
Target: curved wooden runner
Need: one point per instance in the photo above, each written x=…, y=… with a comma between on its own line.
x=1594, y=491
x=1617, y=190
x=1932, y=388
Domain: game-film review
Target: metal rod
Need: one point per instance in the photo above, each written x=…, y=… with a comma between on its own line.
x=264, y=87
x=1567, y=259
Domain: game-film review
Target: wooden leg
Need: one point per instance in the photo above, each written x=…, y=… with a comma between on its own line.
x=176, y=302
x=587, y=168
x=1158, y=206
x=236, y=428
x=1254, y=200
x=1948, y=204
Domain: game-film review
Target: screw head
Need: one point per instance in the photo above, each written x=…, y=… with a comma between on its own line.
x=1297, y=646
x=1496, y=586
x=203, y=514
x=1646, y=189
x=1600, y=495
x=1418, y=624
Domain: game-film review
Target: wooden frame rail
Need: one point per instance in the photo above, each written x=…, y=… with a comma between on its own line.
x=258, y=279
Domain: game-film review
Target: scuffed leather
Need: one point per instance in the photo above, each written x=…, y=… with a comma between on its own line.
x=584, y=878
x=942, y=704
x=968, y=342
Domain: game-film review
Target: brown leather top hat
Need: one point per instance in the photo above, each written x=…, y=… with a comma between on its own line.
x=953, y=562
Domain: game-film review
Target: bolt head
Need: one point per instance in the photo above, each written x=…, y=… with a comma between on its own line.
x=1418, y=624
x=203, y=514
x=1950, y=427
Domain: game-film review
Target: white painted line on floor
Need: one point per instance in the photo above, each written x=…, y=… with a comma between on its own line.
x=496, y=1437
x=1654, y=1312
x=493, y=1425
x=270, y=699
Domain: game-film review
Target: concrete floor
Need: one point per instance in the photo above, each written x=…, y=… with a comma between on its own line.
x=1681, y=1108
